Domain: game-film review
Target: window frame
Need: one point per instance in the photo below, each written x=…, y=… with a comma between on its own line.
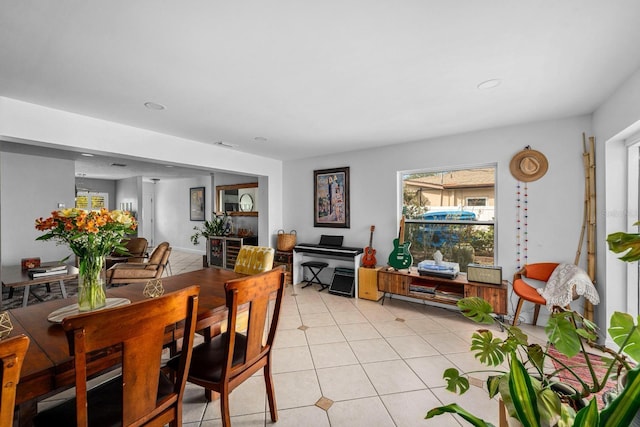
x=493, y=222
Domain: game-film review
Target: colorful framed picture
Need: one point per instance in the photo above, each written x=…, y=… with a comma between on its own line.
x=331, y=198
x=196, y=204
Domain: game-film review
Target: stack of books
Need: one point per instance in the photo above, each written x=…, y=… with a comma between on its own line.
x=50, y=270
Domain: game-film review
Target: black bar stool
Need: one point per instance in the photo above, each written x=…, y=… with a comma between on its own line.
x=315, y=267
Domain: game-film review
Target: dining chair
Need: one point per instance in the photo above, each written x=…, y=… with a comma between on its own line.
x=251, y=260
x=12, y=353
x=140, y=272
x=223, y=363
x=254, y=259
x=142, y=394
x=541, y=272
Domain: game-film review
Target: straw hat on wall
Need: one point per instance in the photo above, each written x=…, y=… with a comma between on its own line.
x=528, y=165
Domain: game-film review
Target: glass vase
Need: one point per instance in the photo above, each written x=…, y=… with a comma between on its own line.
x=91, y=279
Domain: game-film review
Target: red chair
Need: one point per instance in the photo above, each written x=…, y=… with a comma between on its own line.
x=538, y=271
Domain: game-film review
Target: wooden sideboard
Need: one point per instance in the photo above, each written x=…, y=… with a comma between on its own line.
x=441, y=290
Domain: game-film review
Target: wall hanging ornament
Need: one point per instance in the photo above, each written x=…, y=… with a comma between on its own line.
x=528, y=165
x=522, y=223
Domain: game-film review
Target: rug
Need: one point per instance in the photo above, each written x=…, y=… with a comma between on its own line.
x=579, y=366
x=38, y=293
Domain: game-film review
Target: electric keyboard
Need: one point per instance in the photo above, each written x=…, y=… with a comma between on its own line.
x=340, y=251
x=329, y=247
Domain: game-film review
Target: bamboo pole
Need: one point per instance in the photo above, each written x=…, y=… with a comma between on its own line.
x=585, y=163
x=589, y=216
x=591, y=233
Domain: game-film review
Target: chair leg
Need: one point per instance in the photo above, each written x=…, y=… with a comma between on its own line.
x=271, y=395
x=517, y=313
x=536, y=311
x=224, y=408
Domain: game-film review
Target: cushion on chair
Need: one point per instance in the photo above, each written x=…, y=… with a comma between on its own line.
x=540, y=271
x=254, y=259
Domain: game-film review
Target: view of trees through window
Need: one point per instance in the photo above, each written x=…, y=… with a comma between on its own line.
x=453, y=212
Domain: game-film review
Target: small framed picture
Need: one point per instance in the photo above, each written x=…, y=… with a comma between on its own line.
x=196, y=204
x=331, y=198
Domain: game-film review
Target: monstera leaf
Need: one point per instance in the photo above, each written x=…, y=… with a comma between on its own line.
x=477, y=310
x=625, y=242
x=626, y=334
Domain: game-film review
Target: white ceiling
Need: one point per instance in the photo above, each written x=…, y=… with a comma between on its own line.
x=317, y=77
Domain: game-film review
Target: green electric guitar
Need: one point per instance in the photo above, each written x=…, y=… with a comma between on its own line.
x=400, y=257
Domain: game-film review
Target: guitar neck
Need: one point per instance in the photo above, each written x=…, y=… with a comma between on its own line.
x=401, y=232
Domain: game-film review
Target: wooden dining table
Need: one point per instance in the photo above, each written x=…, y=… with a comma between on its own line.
x=48, y=365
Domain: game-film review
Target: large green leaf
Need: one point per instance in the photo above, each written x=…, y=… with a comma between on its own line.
x=454, y=408
x=588, y=416
x=523, y=395
x=625, y=332
x=561, y=332
x=625, y=242
x=488, y=349
x=476, y=309
x=624, y=407
x=536, y=356
x=493, y=384
x=455, y=382
x=549, y=406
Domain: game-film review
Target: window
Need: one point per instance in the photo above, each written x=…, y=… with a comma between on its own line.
x=453, y=212
x=476, y=201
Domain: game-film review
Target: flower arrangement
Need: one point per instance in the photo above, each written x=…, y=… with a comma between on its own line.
x=220, y=225
x=91, y=235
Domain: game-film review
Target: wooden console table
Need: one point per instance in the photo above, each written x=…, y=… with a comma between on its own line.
x=441, y=290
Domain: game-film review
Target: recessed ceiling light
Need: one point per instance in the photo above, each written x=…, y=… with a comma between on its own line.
x=260, y=139
x=168, y=166
x=86, y=154
x=489, y=84
x=154, y=106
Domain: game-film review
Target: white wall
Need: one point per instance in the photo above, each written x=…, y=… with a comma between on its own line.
x=556, y=201
x=613, y=121
x=172, y=212
x=31, y=187
x=22, y=122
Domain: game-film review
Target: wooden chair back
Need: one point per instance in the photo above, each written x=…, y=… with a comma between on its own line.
x=228, y=359
x=12, y=352
x=141, y=329
x=256, y=292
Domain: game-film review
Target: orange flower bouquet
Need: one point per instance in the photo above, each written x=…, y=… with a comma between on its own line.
x=91, y=235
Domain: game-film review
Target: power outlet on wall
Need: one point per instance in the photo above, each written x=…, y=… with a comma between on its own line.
x=61, y=205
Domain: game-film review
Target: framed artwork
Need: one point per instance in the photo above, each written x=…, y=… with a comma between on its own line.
x=196, y=204
x=331, y=198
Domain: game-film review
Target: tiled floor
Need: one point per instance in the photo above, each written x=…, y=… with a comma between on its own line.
x=349, y=362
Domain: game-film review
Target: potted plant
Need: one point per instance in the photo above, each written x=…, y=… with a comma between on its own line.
x=219, y=225
x=530, y=393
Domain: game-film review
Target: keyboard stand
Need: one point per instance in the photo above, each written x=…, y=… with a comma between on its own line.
x=315, y=267
x=299, y=257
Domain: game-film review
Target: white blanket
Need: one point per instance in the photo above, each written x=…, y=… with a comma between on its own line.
x=563, y=281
